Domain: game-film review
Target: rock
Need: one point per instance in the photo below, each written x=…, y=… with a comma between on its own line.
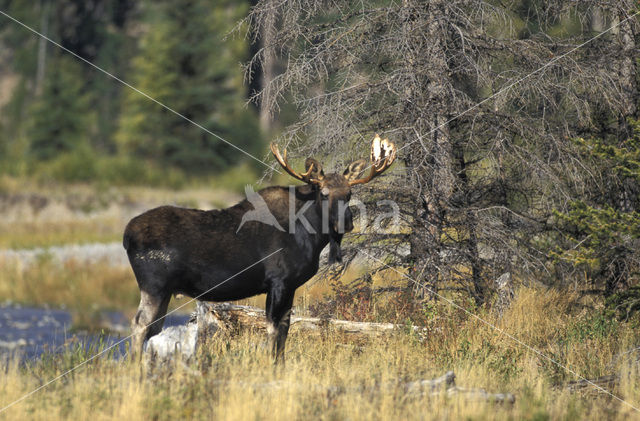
x=174, y=340
x=183, y=340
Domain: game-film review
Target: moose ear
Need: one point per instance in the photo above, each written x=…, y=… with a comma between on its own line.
x=354, y=169
x=317, y=172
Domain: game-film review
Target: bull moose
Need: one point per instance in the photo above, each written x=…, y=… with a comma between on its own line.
x=203, y=254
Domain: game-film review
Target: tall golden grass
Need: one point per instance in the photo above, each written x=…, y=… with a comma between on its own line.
x=333, y=376
x=69, y=284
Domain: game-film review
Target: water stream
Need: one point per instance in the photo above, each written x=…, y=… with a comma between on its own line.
x=28, y=332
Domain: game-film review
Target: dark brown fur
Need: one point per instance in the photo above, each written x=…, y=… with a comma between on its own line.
x=199, y=253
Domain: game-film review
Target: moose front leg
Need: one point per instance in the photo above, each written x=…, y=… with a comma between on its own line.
x=278, y=309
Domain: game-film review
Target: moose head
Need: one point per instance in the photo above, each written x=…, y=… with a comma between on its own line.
x=332, y=191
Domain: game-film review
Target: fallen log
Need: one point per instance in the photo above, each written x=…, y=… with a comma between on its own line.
x=211, y=318
x=478, y=395
x=604, y=382
x=232, y=316
x=443, y=386
x=414, y=389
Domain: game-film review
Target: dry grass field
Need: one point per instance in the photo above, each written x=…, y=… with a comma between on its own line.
x=332, y=376
x=328, y=375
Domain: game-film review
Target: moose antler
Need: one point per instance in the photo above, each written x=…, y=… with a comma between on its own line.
x=383, y=153
x=306, y=177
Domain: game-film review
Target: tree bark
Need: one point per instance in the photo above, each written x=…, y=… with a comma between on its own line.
x=627, y=66
x=45, y=7
x=268, y=64
x=429, y=109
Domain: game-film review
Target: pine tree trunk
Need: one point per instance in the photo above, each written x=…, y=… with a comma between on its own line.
x=268, y=63
x=427, y=103
x=45, y=7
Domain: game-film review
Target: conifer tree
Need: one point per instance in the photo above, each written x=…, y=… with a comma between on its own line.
x=482, y=98
x=61, y=116
x=186, y=63
x=601, y=231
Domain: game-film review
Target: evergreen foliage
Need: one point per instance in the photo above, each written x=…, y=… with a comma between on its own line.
x=76, y=123
x=61, y=116
x=601, y=233
x=185, y=63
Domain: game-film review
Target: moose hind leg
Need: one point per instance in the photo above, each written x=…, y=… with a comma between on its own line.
x=148, y=320
x=278, y=308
